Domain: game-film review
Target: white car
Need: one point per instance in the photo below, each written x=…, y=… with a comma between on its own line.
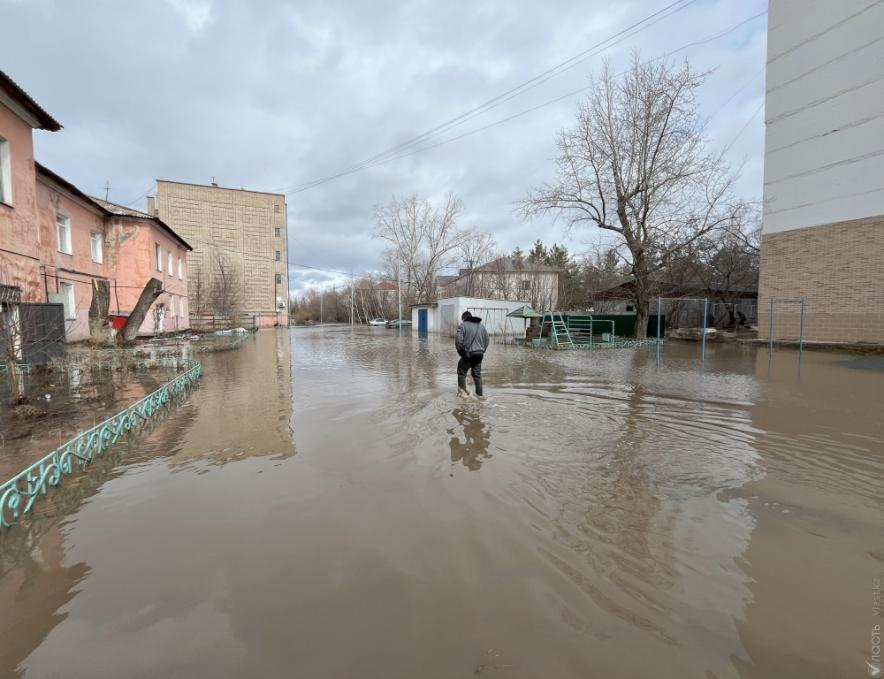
x=378, y=321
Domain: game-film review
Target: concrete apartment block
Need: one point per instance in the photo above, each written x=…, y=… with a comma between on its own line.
x=823, y=229
x=245, y=228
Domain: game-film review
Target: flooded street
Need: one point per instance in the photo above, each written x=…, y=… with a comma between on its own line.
x=324, y=505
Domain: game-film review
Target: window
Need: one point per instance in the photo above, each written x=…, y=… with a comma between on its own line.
x=276, y=209
x=70, y=305
x=278, y=278
x=277, y=256
x=526, y=285
x=97, y=243
x=5, y=173
x=172, y=305
x=159, y=256
x=630, y=307
x=276, y=231
x=180, y=268
x=170, y=261
x=63, y=226
x=181, y=306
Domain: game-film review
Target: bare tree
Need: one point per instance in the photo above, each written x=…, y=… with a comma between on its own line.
x=197, y=290
x=476, y=251
x=225, y=294
x=424, y=239
x=634, y=164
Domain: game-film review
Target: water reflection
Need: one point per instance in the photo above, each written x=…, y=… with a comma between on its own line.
x=635, y=519
x=473, y=450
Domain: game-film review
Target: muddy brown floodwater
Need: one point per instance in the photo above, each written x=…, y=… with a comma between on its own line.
x=325, y=506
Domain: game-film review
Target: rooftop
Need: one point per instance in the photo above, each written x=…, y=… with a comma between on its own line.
x=220, y=188
x=23, y=99
x=123, y=211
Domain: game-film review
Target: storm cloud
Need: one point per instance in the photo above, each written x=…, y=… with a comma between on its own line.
x=271, y=95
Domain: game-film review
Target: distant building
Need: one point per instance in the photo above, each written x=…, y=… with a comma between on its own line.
x=239, y=264
x=823, y=229
x=55, y=241
x=505, y=278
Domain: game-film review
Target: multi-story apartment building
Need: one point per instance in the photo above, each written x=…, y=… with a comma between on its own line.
x=823, y=229
x=56, y=241
x=239, y=264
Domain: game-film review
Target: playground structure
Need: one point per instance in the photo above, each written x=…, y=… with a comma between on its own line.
x=564, y=331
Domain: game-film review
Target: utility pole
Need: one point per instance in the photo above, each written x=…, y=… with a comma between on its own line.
x=107, y=188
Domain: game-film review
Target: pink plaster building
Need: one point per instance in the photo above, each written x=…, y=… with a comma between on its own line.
x=55, y=240
x=20, y=252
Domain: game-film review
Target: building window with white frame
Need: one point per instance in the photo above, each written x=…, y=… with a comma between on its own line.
x=96, y=241
x=158, y=252
x=181, y=307
x=172, y=306
x=5, y=173
x=180, y=268
x=170, y=268
x=63, y=228
x=68, y=300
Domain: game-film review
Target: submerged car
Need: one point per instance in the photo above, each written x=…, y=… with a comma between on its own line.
x=378, y=321
x=398, y=324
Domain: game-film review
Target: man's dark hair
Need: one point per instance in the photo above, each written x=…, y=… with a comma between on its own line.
x=465, y=315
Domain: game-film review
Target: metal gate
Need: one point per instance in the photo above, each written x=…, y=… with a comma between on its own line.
x=42, y=332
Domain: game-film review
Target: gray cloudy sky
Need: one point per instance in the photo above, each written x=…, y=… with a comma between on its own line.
x=267, y=95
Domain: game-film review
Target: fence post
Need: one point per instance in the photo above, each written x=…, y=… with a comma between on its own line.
x=705, y=315
x=801, y=330
x=659, y=311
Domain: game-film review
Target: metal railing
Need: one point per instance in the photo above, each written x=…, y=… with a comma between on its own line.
x=18, y=494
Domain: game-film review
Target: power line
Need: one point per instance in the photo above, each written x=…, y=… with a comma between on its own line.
x=443, y=142
x=537, y=80
x=743, y=129
x=143, y=194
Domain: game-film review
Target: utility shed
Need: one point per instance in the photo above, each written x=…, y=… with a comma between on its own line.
x=444, y=315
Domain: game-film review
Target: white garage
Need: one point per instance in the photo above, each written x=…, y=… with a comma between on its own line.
x=443, y=316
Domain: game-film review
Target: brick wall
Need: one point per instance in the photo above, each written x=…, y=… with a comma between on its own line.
x=838, y=269
x=242, y=224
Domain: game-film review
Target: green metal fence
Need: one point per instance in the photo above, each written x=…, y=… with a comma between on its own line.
x=18, y=494
x=623, y=324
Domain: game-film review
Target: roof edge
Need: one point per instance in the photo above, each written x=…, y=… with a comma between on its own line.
x=23, y=99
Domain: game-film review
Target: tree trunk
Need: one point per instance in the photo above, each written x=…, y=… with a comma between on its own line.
x=99, y=328
x=641, y=314
x=129, y=331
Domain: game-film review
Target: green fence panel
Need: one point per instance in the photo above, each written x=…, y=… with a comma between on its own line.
x=624, y=324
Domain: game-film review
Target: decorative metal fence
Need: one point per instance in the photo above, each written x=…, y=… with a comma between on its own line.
x=18, y=494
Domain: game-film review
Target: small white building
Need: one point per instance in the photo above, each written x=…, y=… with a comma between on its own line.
x=444, y=316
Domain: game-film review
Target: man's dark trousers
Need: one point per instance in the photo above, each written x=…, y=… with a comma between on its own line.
x=470, y=364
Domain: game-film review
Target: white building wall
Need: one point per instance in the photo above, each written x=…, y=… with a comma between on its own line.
x=445, y=317
x=824, y=146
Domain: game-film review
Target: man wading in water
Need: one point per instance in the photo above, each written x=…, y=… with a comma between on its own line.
x=471, y=342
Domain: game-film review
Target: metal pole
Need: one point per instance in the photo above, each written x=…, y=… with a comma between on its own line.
x=771, y=327
x=659, y=313
x=801, y=331
x=703, y=344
